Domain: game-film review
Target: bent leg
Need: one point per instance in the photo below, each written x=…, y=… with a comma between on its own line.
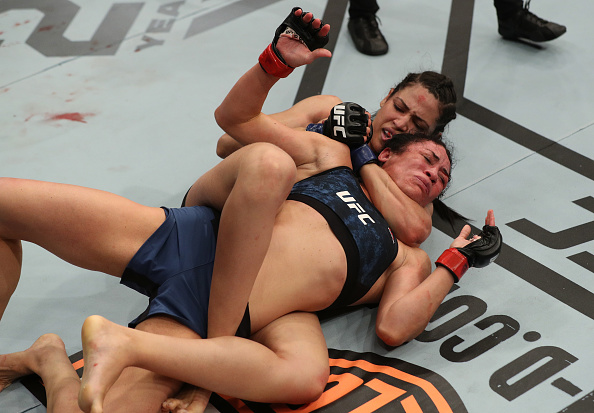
x=293, y=370
x=92, y=229
x=248, y=187
x=138, y=390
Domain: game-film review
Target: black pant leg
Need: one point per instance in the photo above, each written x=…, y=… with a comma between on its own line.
x=506, y=8
x=362, y=7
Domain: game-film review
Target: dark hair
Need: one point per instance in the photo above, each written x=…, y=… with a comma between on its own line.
x=439, y=86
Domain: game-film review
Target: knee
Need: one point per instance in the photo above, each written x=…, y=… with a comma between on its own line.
x=269, y=167
x=308, y=383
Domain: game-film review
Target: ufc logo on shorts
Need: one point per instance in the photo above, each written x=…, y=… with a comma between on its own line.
x=353, y=204
x=338, y=117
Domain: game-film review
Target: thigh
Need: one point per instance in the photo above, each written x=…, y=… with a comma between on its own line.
x=138, y=390
x=297, y=338
x=89, y=228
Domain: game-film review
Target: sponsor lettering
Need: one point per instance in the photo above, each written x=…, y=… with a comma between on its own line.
x=338, y=116
x=353, y=204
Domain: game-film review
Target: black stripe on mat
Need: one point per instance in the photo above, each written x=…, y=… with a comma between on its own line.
x=536, y=274
x=315, y=74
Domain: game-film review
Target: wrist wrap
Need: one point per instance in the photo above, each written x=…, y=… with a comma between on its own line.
x=273, y=64
x=454, y=261
x=362, y=156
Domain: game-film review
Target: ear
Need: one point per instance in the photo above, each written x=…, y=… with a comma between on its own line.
x=384, y=100
x=384, y=155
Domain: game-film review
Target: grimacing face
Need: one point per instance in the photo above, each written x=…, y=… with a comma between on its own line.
x=422, y=171
x=410, y=110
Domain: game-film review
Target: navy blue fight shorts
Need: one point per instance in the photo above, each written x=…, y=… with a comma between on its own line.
x=174, y=267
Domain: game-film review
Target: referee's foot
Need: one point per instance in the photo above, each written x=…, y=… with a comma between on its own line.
x=526, y=25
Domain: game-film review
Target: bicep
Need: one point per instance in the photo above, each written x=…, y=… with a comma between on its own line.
x=409, y=270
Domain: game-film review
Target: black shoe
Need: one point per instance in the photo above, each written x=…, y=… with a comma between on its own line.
x=527, y=25
x=366, y=35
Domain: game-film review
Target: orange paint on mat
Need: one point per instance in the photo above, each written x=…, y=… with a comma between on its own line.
x=78, y=364
x=387, y=395
x=436, y=397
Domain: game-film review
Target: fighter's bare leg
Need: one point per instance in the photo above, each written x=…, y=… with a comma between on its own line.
x=138, y=390
x=248, y=187
x=289, y=363
x=89, y=228
x=47, y=358
x=11, y=257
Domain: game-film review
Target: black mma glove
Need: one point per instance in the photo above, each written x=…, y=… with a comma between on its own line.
x=478, y=254
x=347, y=123
x=272, y=61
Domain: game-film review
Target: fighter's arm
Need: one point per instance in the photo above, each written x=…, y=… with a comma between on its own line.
x=411, y=297
x=412, y=294
x=410, y=222
x=309, y=110
x=240, y=114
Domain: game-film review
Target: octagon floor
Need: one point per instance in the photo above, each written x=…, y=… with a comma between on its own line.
x=130, y=111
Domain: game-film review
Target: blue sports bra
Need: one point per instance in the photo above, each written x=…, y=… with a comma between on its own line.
x=362, y=231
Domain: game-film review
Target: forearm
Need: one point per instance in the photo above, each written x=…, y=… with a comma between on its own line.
x=244, y=103
x=410, y=222
x=406, y=308
x=407, y=317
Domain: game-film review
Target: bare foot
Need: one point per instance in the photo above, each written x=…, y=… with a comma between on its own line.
x=104, y=346
x=16, y=365
x=189, y=399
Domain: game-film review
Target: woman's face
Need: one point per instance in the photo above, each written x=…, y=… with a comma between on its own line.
x=410, y=110
x=422, y=171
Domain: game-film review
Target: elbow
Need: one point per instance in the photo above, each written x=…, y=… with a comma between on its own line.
x=219, y=116
x=397, y=331
x=223, y=148
x=221, y=152
x=227, y=119
x=392, y=337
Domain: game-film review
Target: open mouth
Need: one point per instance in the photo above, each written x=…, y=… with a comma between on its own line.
x=386, y=135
